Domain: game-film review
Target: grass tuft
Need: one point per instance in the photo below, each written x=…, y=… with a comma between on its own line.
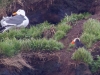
x=82, y=55
x=91, y=32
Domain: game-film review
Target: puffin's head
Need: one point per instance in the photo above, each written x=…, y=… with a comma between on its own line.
x=75, y=40
x=20, y=12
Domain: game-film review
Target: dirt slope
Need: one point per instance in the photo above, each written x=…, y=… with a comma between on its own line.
x=52, y=11
x=54, y=63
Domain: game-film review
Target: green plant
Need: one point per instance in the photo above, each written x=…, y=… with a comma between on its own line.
x=75, y=17
x=3, y=36
x=92, y=26
x=63, y=27
x=14, y=41
x=25, y=45
x=88, y=39
x=36, y=31
x=9, y=47
x=59, y=35
x=82, y=55
x=86, y=15
x=33, y=32
x=91, y=32
x=95, y=65
x=44, y=44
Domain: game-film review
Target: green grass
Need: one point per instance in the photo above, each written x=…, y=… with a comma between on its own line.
x=62, y=30
x=82, y=55
x=63, y=27
x=91, y=32
x=34, y=32
x=88, y=39
x=14, y=41
x=75, y=17
x=59, y=35
x=95, y=65
x=43, y=44
x=10, y=47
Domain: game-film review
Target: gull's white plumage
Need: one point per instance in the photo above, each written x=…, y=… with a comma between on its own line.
x=18, y=21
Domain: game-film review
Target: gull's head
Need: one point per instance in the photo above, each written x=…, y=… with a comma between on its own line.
x=20, y=12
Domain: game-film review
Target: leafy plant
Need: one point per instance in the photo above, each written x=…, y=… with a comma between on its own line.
x=43, y=44
x=88, y=39
x=9, y=47
x=91, y=32
x=33, y=32
x=59, y=35
x=92, y=26
x=82, y=55
x=75, y=17
x=25, y=45
x=63, y=27
x=95, y=65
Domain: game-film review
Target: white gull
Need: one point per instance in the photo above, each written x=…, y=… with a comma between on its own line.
x=18, y=21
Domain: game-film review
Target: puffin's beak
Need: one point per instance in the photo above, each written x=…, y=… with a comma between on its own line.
x=72, y=42
x=14, y=13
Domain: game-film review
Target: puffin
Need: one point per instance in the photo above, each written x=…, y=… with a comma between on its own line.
x=77, y=43
x=19, y=20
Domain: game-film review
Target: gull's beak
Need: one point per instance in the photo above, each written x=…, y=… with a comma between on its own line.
x=14, y=13
x=72, y=42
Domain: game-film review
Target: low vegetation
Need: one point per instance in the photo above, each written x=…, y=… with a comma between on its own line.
x=59, y=35
x=62, y=30
x=74, y=17
x=91, y=32
x=34, y=32
x=4, y=3
x=11, y=47
x=15, y=41
x=82, y=55
x=95, y=65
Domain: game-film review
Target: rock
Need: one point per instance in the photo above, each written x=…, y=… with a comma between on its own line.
x=52, y=11
x=30, y=64
x=82, y=69
x=95, y=7
x=44, y=63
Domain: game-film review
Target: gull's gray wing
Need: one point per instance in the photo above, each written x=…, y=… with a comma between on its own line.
x=18, y=19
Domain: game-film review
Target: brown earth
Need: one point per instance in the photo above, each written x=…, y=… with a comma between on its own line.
x=45, y=63
x=52, y=11
x=52, y=63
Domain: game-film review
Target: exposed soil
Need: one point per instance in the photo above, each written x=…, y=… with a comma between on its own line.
x=68, y=65
x=50, y=63
x=58, y=62
x=44, y=63
x=76, y=31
